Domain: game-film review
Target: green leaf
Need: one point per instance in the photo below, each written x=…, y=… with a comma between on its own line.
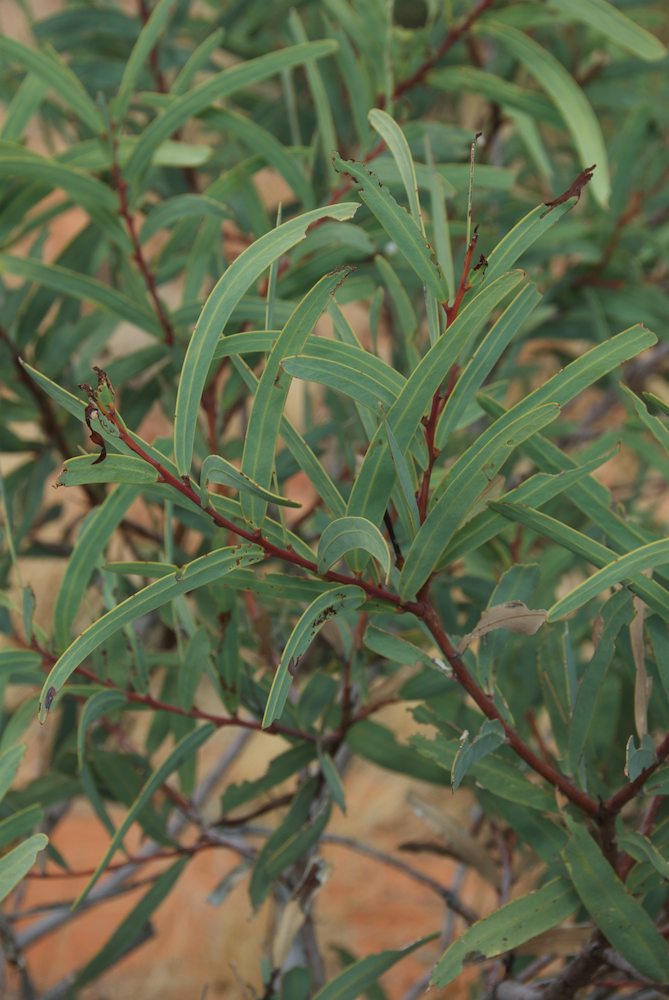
x=365, y=972
x=228, y=291
x=522, y=236
x=217, y=470
x=398, y=224
x=365, y=383
x=270, y=396
x=467, y=479
x=128, y=469
x=376, y=743
x=280, y=768
x=290, y=842
x=50, y=68
x=95, y=708
x=322, y=609
x=374, y=483
x=393, y=647
x=617, y=613
x=9, y=765
x=642, y=849
x=607, y=19
x=130, y=929
x=141, y=50
x=348, y=533
x=485, y=358
x=395, y=140
x=508, y=927
x=182, y=206
x=646, y=557
x=651, y=592
x=91, y=542
x=567, y=96
x=183, y=751
x=64, y=281
x=224, y=84
x=333, y=780
x=198, y=573
x=16, y=826
x=19, y=861
x=324, y=118
x=22, y=107
x=490, y=736
x=19, y=162
x=620, y=917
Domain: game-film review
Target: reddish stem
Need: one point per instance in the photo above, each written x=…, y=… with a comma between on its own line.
x=137, y=251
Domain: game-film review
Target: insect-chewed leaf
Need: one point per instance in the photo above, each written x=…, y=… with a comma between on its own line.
x=511, y=925
x=395, y=140
x=348, y=533
x=198, y=573
x=399, y=225
x=217, y=470
x=114, y=469
x=321, y=610
x=620, y=917
x=512, y=615
x=218, y=308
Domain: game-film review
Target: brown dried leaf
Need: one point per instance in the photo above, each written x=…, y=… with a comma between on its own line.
x=512, y=615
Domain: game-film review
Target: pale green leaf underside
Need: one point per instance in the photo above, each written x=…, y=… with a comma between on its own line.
x=349, y=533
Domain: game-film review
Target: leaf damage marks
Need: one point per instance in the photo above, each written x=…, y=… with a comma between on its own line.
x=573, y=191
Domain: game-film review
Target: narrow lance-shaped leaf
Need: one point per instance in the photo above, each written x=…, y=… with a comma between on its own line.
x=468, y=477
x=508, y=927
x=180, y=109
x=18, y=862
x=9, y=765
x=522, y=236
x=270, y=396
x=620, y=917
x=582, y=545
x=607, y=19
x=185, y=749
x=90, y=544
x=128, y=469
x=348, y=533
x=146, y=42
x=245, y=270
x=395, y=140
x=322, y=609
x=374, y=483
x=195, y=574
x=567, y=96
x=364, y=973
x=398, y=224
x=646, y=557
x=95, y=708
x=50, y=68
x=218, y=470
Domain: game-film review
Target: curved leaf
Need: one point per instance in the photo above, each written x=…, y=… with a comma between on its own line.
x=348, y=533
x=567, y=96
x=359, y=976
x=221, y=85
x=322, y=609
x=646, y=557
x=127, y=469
x=246, y=269
x=195, y=574
x=17, y=863
x=217, y=470
x=270, y=396
x=607, y=19
x=508, y=927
